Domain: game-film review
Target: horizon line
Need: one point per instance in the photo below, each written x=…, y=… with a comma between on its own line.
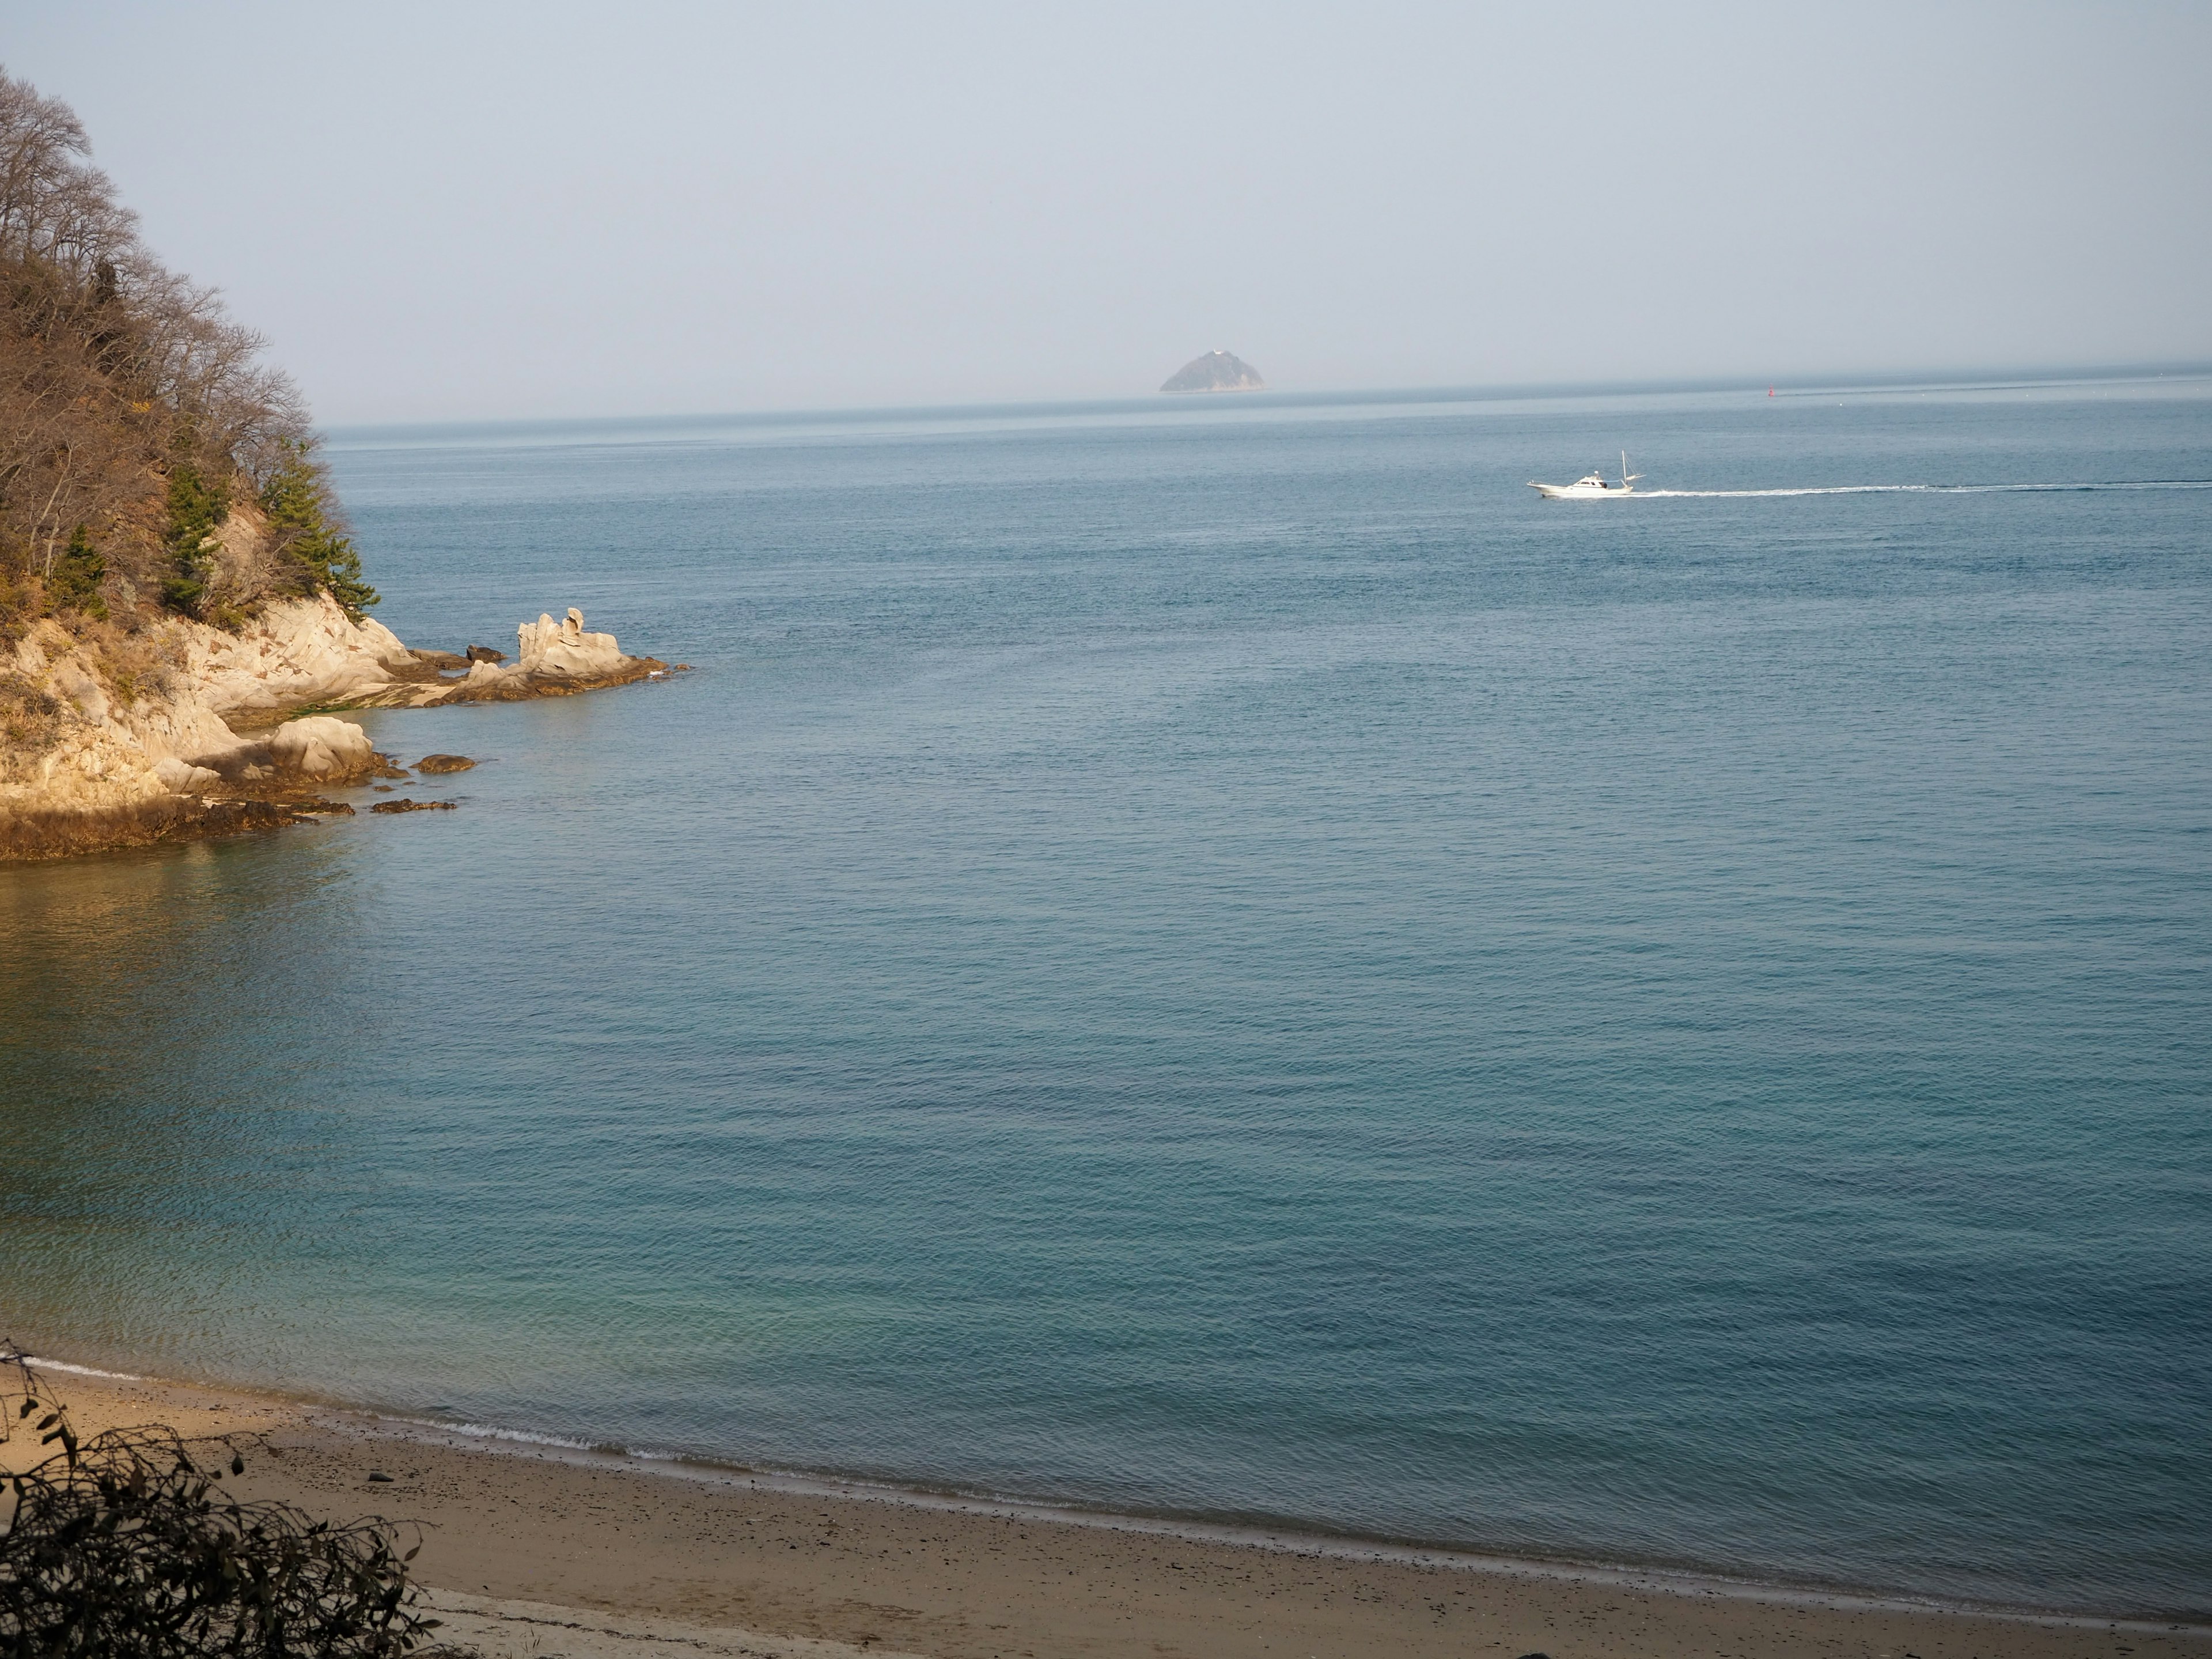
x=1982, y=378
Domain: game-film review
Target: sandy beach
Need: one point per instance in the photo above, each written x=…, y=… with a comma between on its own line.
x=537, y=1551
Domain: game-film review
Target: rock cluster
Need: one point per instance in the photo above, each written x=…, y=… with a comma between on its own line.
x=550, y=658
x=96, y=750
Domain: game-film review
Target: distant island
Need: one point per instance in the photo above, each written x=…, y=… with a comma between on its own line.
x=1216, y=371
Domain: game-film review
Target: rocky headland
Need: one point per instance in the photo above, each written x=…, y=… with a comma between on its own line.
x=181, y=605
x=181, y=728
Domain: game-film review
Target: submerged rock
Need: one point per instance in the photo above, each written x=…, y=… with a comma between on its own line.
x=405, y=804
x=444, y=764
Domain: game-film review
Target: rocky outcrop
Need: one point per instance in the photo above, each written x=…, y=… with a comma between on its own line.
x=308, y=651
x=546, y=646
x=552, y=660
x=110, y=739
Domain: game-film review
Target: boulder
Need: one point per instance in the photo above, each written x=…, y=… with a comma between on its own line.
x=183, y=778
x=485, y=654
x=444, y=764
x=320, y=748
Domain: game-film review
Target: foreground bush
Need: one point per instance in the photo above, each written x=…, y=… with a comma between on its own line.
x=127, y=1547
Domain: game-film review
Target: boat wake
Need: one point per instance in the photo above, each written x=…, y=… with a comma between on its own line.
x=1926, y=489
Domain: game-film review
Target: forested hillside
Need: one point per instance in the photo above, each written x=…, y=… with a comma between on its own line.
x=151, y=462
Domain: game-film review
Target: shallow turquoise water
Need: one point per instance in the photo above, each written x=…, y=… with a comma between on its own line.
x=1230, y=960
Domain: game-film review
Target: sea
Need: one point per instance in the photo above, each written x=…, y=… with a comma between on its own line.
x=1221, y=959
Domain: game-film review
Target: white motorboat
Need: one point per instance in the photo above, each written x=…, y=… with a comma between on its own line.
x=1591, y=486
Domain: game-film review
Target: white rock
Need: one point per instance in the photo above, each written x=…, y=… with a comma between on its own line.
x=320, y=747
x=81, y=689
x=182, y=778
x=546, y=646
x=383, y=641
x=300, y=651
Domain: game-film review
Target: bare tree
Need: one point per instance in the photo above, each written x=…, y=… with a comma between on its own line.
x=114, y=371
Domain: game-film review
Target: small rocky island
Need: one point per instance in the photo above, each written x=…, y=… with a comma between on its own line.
x=1216, y=371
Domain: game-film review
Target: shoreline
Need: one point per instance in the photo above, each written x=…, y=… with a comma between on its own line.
x=499, y=1461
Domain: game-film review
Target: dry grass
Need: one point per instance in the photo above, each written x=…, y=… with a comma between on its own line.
x=30, y=723
x=135, y=663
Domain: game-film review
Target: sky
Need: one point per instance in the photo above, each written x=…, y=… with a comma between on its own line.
x=506, y=210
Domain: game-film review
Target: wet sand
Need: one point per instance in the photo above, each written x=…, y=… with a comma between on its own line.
x=532, y=1551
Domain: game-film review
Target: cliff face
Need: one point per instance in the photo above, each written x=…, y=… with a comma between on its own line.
x=109, y=738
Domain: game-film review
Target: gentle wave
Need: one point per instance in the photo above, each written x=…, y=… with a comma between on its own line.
x=37, y=1363
x=533, y=1438
x=1289, y=1539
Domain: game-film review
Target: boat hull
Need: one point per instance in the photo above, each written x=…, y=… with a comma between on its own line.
x=1578, y=492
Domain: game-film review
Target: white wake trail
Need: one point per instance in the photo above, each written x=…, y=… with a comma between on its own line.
x=1924, y=489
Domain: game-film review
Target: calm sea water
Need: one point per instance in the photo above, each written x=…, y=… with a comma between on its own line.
x=1230, y=960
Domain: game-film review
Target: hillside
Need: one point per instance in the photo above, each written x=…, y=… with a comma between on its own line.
x=171, y=558
x=151, y=463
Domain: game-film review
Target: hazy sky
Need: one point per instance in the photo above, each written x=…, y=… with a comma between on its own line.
x=514, y=210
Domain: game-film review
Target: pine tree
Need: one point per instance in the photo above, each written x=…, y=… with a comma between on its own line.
x=74, y=584
x=196, y=508
x=296, y=500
